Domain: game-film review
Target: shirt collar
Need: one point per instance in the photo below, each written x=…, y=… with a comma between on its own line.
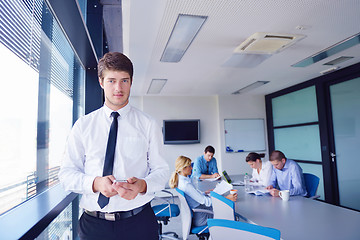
x=286, y=166
x=184, y=178
x=122, y=111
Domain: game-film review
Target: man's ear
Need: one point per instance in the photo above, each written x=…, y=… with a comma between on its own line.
x=101, y=81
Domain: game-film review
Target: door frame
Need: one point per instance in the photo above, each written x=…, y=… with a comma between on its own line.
x=331, y=137
x=327, y=141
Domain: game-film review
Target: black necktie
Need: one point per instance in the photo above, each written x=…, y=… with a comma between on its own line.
x=207, y=167
x=109, y=157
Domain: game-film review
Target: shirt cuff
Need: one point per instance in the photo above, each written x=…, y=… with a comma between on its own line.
x=150, y=187
x=88, y=184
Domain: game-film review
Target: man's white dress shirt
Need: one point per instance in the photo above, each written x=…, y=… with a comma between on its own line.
x=138, y=154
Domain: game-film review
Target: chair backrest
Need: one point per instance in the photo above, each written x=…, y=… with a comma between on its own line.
x=223, y=208
x=232, y=230
x=185, y=213
x=311, y=184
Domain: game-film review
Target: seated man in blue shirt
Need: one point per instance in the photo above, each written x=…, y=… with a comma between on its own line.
x=286, y=174
x=205, y=166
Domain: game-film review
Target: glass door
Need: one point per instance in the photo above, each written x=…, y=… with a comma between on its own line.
x=345, y=112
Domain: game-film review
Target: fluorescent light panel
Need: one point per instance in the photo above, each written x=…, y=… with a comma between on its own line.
x=251, y=87
x=338, y=47
x=338, y=60
x=185, y=30
x=156, y=86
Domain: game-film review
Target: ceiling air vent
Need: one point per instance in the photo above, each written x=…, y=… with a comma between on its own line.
x=267, y=43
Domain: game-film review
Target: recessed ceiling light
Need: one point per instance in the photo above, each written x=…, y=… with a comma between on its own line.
x=156, y=86
x=185, y=30
x=336, y=48
x=251, y=87
x=338, y=60
x=329, y=70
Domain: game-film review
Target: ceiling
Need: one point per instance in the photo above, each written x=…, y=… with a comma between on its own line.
x=204, y=70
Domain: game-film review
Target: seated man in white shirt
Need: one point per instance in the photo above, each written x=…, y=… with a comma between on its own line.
x=130, y=151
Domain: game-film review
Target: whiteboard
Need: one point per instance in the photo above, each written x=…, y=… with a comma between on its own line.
x=244, y=135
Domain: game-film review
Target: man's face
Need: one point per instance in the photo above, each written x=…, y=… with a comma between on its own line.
x=278, y=164
x=208, y=156
x=116, y=85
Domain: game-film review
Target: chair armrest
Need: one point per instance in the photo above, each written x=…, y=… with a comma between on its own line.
x=203, y=210
x=163, y=198
x=315, y=197
x=171, y=194
x=238, y=217
x=166, y=191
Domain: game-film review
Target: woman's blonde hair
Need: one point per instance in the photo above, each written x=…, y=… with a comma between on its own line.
x=180, y=163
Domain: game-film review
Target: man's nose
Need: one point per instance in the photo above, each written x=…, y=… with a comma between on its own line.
x=118, y=86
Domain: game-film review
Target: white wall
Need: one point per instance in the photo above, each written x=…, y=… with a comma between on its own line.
x=211, y=110
x=239, y=107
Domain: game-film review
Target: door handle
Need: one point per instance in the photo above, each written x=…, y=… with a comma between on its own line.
x=332, y=155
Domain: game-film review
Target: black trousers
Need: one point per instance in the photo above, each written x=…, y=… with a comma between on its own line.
x=141, y=226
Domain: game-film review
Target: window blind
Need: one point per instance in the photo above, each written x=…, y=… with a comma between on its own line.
x=20, y=29
x=21, y=32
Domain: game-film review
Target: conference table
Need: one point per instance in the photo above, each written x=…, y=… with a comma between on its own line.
x=298, y=218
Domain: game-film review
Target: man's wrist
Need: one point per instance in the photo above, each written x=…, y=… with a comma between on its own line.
x=144, y=186
x=94, y=186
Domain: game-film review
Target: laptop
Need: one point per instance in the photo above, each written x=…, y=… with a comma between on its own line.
x=228, y=179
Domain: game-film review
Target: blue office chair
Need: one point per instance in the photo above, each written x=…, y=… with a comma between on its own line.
x=192, y=166
x=186, y=214
x=224, y=208
x=164, y=212
x=232, y=230
x=311, y=184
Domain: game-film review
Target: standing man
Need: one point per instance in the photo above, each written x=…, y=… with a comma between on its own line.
x=205, y=166
x=286, y=174
x=115, y=142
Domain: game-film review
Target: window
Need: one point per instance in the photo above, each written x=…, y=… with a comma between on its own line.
x=296, y=130
x=42, y=94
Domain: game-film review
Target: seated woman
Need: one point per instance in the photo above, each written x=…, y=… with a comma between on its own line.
x=196, y=199
x=261, y=169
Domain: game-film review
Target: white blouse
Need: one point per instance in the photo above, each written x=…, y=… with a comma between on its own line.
x=264, y=175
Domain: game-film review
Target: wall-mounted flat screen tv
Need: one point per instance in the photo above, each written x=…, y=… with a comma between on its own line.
x=181, y=131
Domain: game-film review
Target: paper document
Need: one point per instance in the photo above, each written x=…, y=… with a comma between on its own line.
x=211, y=179
x=258, y=190
x=223, y=187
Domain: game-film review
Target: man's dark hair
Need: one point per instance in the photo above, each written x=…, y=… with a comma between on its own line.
x=115, y=61
x=209, y=149
x=277, y=155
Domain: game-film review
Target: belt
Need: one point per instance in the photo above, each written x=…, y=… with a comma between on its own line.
x=114, y=216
